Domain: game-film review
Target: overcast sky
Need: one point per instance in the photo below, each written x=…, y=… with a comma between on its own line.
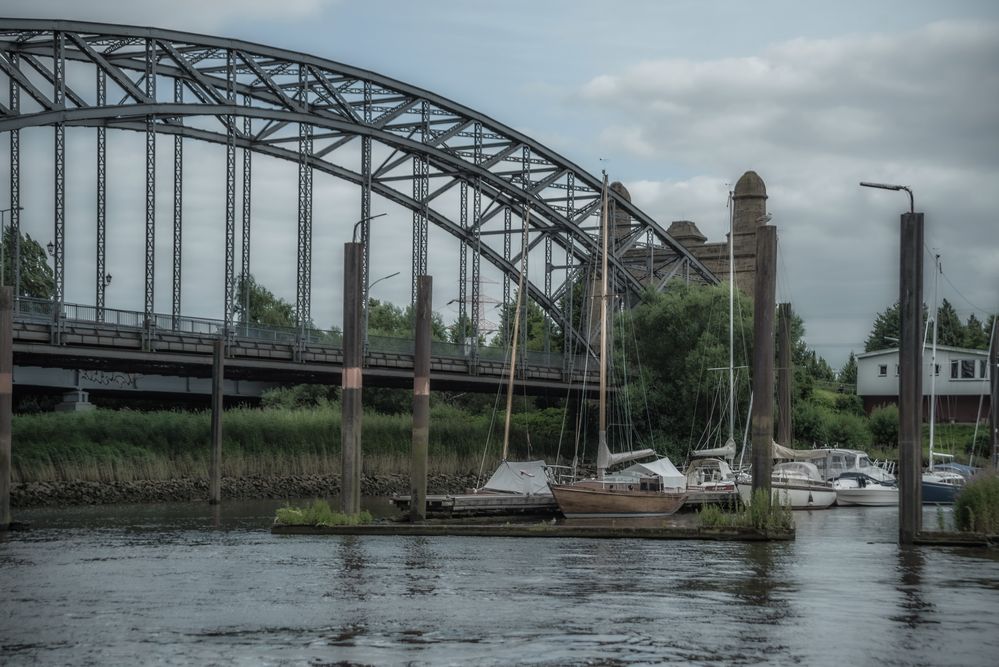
x=678, y=99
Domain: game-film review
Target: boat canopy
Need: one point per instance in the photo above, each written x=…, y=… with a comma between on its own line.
x=788, y=454
x=662, y=467
x=527, y=477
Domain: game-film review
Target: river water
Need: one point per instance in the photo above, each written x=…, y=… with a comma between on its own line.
x=188, y=584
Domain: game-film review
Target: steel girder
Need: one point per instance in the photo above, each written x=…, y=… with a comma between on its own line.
x=317, y=113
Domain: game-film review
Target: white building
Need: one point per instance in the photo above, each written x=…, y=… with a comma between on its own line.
x=962, y=382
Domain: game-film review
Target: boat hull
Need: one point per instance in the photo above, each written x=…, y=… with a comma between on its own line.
x=797, y=496
x=582, y=502
x=867, y=497
x=935, y=493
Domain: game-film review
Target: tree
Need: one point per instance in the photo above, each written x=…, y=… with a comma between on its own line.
x=886, y=330
x=848, y=374
x=388, y=319
x=680, y=334
x=264, y=308
x=950, y=331
x=885, y=333
x=535, y=320
x=37, y=278
x=975, y=337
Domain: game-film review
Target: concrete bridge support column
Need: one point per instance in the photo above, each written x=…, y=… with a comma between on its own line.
x=763, y=356
x=215, y=465
x=421, y=400
x=6, y=388
x=910, y=379
x=350, y=419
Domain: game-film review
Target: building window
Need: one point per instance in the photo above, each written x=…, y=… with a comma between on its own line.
x=962, y=369
x=896, y=370
x=883, y=370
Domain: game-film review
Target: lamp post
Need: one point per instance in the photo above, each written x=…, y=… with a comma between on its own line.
x=910, y=380
x=367, y=291
x=366, y=255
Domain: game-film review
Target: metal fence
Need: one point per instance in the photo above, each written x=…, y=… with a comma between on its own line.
x=44, y=311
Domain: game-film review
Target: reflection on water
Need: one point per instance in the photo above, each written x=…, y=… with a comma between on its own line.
x=186, y=583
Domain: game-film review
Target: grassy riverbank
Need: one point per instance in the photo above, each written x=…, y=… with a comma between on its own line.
x=127, y=445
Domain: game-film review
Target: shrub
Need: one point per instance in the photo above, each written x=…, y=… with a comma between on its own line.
x=884, y=426
x=847, y=430
x=759, y=514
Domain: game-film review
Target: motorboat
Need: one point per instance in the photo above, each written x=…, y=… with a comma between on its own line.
x=834, y=462
x=796, y=484
x=940, y=487
x=857, y=488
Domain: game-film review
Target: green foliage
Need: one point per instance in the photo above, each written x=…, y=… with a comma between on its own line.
x=976, y=507
x=887, y=325
x=950, y=331
x=388, y=319
x=681, y=333
x=37, y=279
x=847, y=430
x=299, y=396
x=848, y=374
x=533, y=325
x=760, y=514
x=264, y=308
x=884, y=426
x=976, y=335
x=319, y=513
x=810, y=424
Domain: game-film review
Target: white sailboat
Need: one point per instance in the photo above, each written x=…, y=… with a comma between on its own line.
x=650, y=489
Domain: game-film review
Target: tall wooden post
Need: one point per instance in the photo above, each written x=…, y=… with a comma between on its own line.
x=910, y=378
x=350, y=419
x=6, y=399
x=994, y=401
x=421, y=400
x=764, y=289
x=784, y=433
x=215, y=463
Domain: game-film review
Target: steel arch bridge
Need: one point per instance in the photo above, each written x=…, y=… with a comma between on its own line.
x=482, y=182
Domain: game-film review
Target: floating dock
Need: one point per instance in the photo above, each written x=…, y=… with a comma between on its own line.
x=545, y=529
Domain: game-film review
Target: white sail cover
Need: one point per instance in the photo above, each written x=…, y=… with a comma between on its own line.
x=526, y=477
x=726, y=452
x=663, y=467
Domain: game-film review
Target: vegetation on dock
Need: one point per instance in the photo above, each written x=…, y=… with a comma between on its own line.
x=760, y=514
x=319, y=513
x=976, y=508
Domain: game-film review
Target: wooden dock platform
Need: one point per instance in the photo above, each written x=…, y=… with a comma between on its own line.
x=483, y=504
x=545, y=529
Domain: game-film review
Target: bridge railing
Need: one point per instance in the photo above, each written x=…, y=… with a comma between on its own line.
x=44, y=311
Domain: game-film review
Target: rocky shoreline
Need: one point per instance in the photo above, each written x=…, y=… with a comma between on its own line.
x=77, y=492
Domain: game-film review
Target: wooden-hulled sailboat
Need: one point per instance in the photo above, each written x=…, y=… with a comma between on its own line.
x=642, y=490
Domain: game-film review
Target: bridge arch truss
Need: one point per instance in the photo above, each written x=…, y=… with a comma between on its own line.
x=450, y=166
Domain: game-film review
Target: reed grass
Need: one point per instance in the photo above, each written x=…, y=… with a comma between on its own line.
x=319, y=513
x=104, y=445
x=760, y=514
x=976, y=507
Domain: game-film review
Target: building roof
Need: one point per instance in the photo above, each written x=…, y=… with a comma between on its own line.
x=948, y=348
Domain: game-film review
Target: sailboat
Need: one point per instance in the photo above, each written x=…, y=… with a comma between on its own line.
x=710, y=478
x=939, y=487
x=649, y=489
x=516, y=487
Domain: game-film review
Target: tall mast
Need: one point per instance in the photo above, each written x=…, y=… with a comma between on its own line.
x=933, y=358
x=516, y=335
x=604, y=289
